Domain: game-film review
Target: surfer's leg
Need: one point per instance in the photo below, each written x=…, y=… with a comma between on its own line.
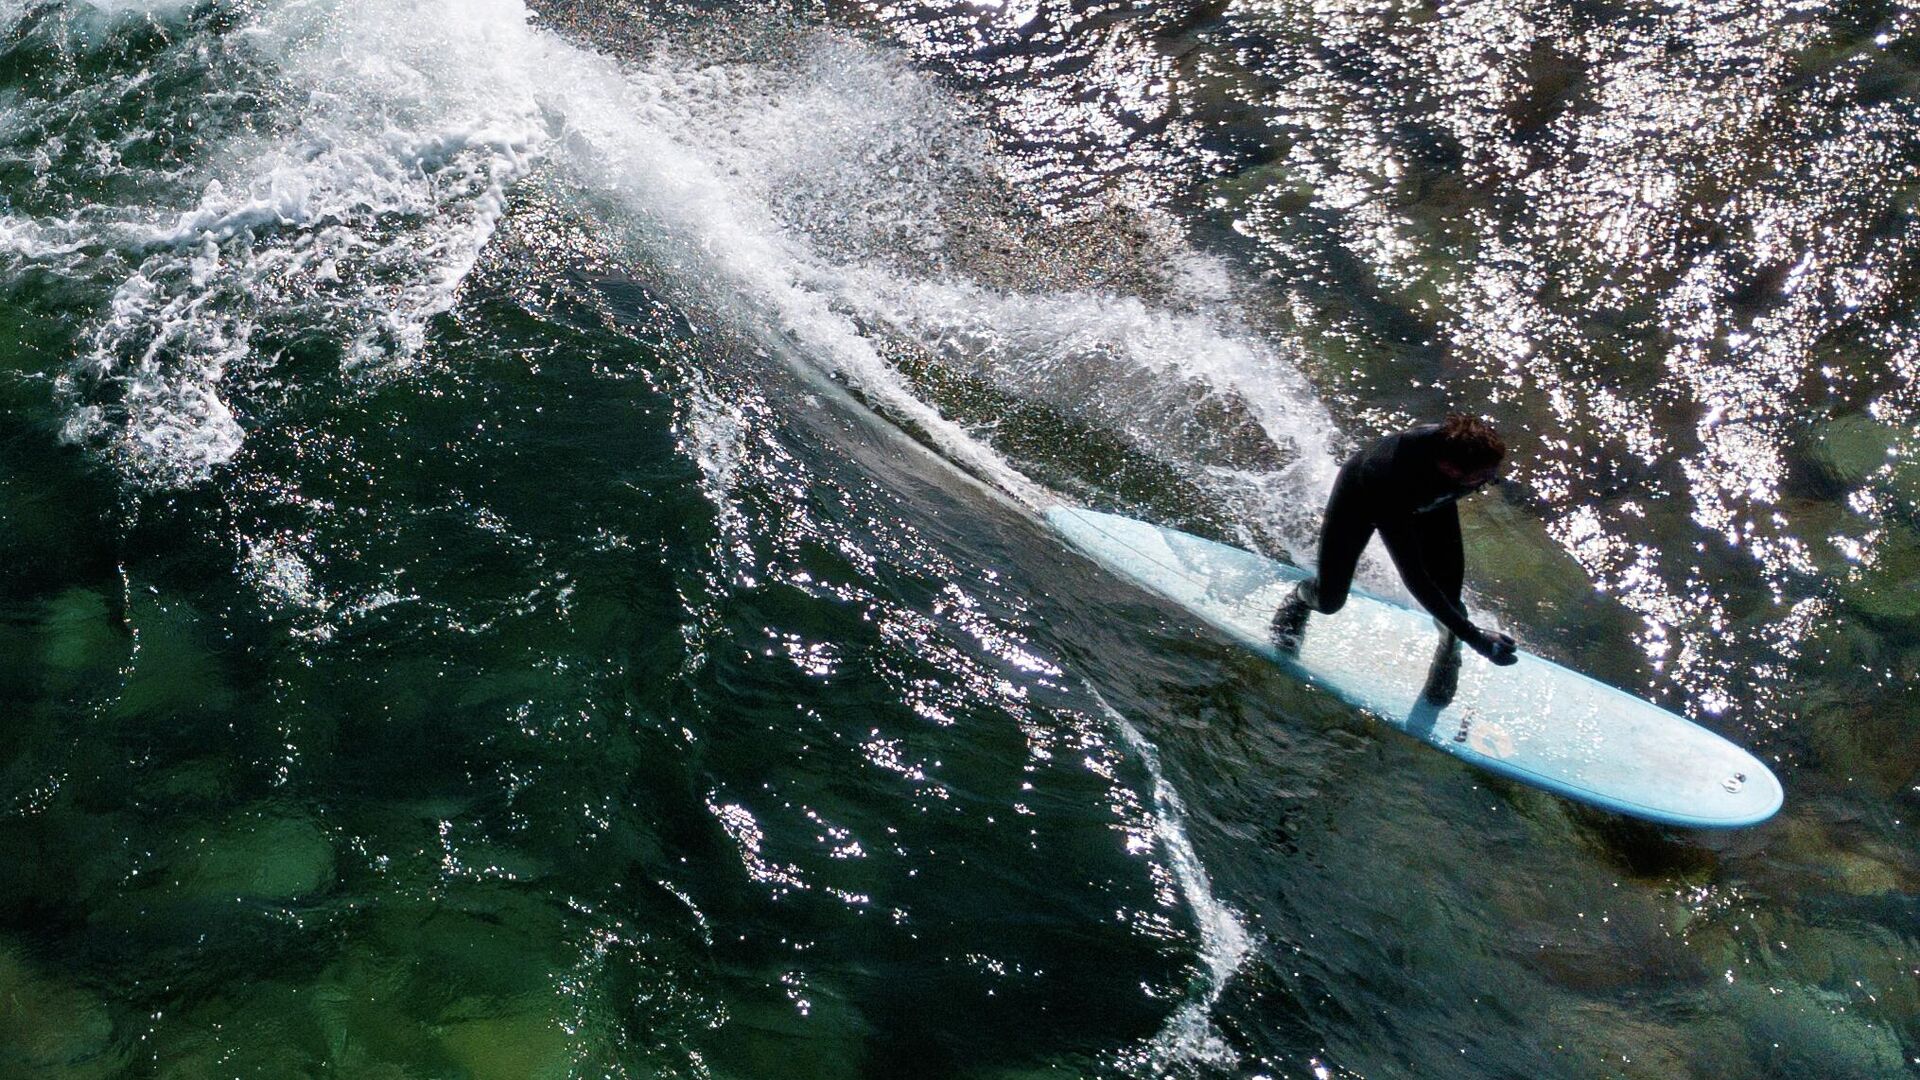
x=1426, y=550
x=1344, y=532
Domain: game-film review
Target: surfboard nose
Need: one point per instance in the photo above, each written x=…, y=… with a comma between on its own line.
x=1754, y=794
x=1736, y=790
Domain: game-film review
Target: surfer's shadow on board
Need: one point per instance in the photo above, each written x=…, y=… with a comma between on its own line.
x=1424, y=717
x=1440, y=689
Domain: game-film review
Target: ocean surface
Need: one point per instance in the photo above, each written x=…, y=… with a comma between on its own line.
x=519, y=555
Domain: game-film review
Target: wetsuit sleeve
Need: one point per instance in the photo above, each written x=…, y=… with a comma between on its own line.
x=1408, y=548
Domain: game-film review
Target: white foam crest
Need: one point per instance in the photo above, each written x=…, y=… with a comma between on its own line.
x=413, y=119
x=173, y=414
x=364, y=216
x=23, y=239
x=851, y=149
x=714, y=430
x=115, y=8
x=638, y=134
x=809, y=200
x=1189, y=1035
x=1076, y=348
x=821, y=194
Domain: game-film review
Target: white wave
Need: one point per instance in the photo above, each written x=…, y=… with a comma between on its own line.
x=114, y=8
x=42, y=243
x=810, y=199
x=1189, y=1036
x=714, y=430
x=639, y=135
x=363, y=215
x=845, y=175
x=814, y=199
x=1079, y=349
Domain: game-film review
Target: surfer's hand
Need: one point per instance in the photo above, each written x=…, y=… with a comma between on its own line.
x=1499, y=648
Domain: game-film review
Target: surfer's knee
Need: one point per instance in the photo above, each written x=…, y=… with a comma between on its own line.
x=1323, y=600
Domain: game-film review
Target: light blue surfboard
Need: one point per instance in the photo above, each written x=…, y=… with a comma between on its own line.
x=1534, y=721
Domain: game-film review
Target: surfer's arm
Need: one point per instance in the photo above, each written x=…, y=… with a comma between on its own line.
x=1404, y=545
x=1439, y=600
x=1443, y=607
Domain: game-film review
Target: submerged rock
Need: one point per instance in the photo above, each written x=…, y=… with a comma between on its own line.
x=1602, y=1039
x=1864, y=732
x=49, y=1029
x=496, y=945
x=466, y=987
x=1860, y=957
x=177, y=673
x=79, y=637
x=1820, y=860
x=367, y=1019
x=1888, y=590
x=262, y=857
x=1863, y=875
x=203, y=782
x=1794, y=1031
x=1849, y=449
x=254, y=1028
x=813, y=1032
x=525, y=1045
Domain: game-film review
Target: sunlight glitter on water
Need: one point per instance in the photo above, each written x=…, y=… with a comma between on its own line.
x=489, y=628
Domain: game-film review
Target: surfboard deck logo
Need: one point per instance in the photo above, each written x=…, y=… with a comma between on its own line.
x=1536, y=721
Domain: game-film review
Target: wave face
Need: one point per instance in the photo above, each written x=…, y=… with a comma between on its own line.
x=518, y=527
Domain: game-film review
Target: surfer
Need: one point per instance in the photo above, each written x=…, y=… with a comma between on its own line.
x=1404, y=487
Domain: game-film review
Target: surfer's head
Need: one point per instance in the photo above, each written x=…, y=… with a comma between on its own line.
x=1470, y=452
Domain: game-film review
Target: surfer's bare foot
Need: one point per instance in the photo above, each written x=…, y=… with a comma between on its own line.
x=1443, y=678
x=1290, y=622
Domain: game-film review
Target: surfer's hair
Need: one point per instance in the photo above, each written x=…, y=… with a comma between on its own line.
x=1470, y=442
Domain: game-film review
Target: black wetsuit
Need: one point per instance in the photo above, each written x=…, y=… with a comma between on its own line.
x=1395, y=487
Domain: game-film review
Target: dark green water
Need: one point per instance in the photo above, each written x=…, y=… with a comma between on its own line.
x=515, y=552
